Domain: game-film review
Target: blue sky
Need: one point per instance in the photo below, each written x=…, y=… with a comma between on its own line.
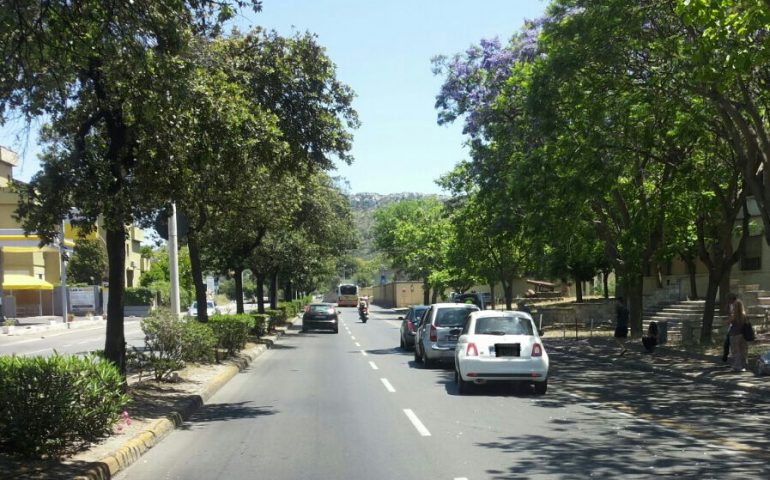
x=382, y=49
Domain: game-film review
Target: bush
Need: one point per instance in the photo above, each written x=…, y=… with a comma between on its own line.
x=163, y=338
x=231, y=331
x=198, y=342
x=261, y=324
x=49, y=405
x=139, y=296
x=277, y=317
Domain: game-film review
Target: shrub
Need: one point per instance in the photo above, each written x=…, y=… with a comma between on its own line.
x=139, y=296
x=261, y=324
x=49, y=405
x=277, y=317
x=231, y=331
x=198, y=341
x=163, y=338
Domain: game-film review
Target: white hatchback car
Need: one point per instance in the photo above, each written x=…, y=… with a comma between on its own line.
x=500, y=346
x=211, y=309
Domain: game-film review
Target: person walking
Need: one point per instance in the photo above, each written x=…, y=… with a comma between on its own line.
x=621, y=329
x=738, y=345
x=731, y=298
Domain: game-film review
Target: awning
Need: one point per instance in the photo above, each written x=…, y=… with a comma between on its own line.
x=12, y=281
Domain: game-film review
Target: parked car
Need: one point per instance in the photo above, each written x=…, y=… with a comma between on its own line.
x=211, y=309
x=501, y=346
x=438, y=332
x=323, y=316
x=409, y=324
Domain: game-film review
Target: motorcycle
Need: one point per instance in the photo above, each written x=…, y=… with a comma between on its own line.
x=363, y=314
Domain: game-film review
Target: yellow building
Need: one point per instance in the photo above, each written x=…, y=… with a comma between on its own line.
x=29, y=272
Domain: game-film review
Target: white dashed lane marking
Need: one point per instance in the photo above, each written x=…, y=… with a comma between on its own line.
x=373, y=365
x=388, y=386
x=416, y=422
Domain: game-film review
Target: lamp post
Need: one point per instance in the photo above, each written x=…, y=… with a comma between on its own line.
x=63, y=266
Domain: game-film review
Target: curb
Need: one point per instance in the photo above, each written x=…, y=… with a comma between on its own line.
x=700, y=377
x=107, y=467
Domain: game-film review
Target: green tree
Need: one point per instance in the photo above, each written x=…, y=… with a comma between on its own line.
x=88, y=263
x=106, y=74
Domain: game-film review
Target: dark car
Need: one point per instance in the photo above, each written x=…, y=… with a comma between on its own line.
x=409, y=324
x=322, y=316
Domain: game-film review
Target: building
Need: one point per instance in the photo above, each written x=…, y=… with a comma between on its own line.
x=29, y=272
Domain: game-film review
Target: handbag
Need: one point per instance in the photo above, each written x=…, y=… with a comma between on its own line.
x=748, y=331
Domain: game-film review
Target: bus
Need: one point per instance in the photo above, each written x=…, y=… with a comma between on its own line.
x=347, y=295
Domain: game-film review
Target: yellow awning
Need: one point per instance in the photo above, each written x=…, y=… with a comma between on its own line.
x=13, y=281
x=29, y=249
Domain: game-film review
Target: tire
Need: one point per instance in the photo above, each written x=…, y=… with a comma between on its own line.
x=541, y=387
x=463, y=387
x=304, y=330
x=426, y=362
x=417, y=358
x=402, y=344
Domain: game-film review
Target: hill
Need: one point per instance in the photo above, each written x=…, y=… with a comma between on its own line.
x=363, y=206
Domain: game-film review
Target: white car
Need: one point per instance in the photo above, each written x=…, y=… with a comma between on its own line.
x=500, y=346
x=211, y=309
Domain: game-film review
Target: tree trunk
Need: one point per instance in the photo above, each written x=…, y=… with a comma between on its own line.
x=578, y=290
x=425, y=292
x=239, y=290
x=492, y=294
x=288, y=291
x=724, y=288
x=508, y=292
x=274, y=291
x=197, y=273
x=606, y=284
x=115, y=340
x=260, y=278
x=708, y=309
x=636, y=306
x=434, y=296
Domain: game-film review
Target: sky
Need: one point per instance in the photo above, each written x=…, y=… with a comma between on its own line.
x=382, y=49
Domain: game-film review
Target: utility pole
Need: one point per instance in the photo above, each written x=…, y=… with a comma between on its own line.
x=173, y=261
x=63, y=266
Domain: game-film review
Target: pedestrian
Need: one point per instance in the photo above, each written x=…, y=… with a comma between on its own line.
x=731, y=298
x=651, y=340
x=738, y=345
x=621, y=329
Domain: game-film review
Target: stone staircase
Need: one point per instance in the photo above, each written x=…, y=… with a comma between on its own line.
x=685, y=317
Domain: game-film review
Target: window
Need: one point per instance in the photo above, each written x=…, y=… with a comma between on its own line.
x=751, y=257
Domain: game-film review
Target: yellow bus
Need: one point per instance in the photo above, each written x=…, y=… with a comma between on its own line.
x=347, y=295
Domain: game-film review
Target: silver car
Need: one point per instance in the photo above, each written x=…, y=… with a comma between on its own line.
x=438, y=332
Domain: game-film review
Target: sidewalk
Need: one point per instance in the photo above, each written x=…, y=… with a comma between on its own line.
x=36, y=325
x=665, y=361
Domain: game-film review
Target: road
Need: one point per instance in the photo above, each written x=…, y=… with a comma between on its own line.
x=352, y=405
x=73, y=341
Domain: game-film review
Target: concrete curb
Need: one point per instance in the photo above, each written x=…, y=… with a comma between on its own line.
x=135, y=447
x=699, y=376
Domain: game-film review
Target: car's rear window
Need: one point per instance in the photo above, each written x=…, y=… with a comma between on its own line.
x=348, y=290
x=503, y=326
x=418, y=313
x=320, y=308
x=452, y=316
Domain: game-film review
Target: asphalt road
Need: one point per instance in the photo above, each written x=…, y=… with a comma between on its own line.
x=352, y=405
x=72, y=341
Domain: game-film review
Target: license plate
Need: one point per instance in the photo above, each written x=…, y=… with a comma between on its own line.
x=451, y=338
x=511, y=350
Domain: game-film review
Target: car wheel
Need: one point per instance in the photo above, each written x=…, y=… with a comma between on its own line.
x=402, y=344
x=541, y=387
x=304, y=329
x=463, y=387
x=426, y=362
x=417, y=358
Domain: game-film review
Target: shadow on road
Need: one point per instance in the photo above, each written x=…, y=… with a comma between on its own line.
x=222, y=412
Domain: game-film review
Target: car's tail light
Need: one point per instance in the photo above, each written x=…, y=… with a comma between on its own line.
x=330, y=311
x=433, y=334
x=410, y=327
x=307, y=308
x=537, y=350
x=471, y=351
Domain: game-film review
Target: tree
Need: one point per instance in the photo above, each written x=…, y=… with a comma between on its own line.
x=106, y=74
x=414, y=235
x=88, y=263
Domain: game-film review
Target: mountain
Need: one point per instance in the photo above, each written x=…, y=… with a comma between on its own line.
x=364, y=205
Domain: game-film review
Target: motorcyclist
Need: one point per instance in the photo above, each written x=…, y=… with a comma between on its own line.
x=363, y=306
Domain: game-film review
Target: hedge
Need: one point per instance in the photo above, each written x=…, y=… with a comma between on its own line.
x=50, y=405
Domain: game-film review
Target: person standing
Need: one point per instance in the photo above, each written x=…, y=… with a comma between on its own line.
x=738, y=345
x=731, y=298
x=621, y=329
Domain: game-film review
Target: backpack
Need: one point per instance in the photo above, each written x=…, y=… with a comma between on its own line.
x=748, y=331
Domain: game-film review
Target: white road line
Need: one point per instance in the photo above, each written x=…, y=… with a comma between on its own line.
x=417, y=423
x=363, y=352
x=373, y=365
x=358, y=344
x=461, y=478
x=388, y=386
x=352, y=337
